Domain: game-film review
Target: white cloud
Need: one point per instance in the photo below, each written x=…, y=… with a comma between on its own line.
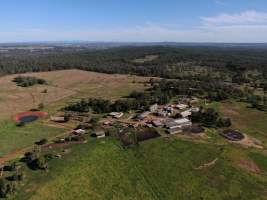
x=244, y=18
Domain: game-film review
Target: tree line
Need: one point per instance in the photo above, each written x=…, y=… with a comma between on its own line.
x=171, y=62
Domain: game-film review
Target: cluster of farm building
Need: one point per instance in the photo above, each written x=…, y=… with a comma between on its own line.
x=173, y=118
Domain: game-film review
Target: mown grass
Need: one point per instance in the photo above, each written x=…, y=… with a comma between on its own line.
x=260, y=160
x=14, y=138
x=157, y=169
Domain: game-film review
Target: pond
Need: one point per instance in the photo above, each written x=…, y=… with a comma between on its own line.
x=28, y=119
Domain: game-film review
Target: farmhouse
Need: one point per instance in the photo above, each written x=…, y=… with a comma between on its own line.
x=153, y=108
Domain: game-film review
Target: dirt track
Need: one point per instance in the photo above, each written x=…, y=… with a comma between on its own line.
x=21, y=152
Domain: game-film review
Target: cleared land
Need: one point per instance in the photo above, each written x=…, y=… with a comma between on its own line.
x=62, y=84
x=148, y=58
x=245, y=119
x=63, y=87
x=157, y=169
x=14, y=138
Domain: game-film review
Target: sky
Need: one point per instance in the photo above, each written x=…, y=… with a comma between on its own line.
x=230, y=21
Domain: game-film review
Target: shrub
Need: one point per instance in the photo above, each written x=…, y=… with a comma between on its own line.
x=20, y=124
x=6, y=188
x=224, y=122
x=42, y=141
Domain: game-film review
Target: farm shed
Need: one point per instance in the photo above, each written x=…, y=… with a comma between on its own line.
x=183, y=122
x=171, y=124
x=99, y=133
x=58, y=119
x=175, y=130
x=186, y=113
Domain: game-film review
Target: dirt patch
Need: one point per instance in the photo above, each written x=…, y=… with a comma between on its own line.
x=229, y=112
x=247, y=142
x=207, y=165
x=249, y=165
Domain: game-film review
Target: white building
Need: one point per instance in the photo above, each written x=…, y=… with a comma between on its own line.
x=153, y=108
x=183, y=122
x=186, y=113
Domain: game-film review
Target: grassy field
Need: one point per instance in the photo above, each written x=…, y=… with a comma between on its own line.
x=14, y=138
x=157, y=169
x=63, y=86
x=248, y=120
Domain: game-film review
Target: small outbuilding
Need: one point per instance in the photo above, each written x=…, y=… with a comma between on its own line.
x=79, y=132
x=58, y=119
x=99, y=133
x=116, y=115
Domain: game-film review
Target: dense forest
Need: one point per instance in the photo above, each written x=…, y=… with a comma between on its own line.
x=186, y=63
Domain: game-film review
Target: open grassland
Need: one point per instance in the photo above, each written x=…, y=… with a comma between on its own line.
x=244, y=118
x=157, y=169
x=63, y=86
x=13, y=138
